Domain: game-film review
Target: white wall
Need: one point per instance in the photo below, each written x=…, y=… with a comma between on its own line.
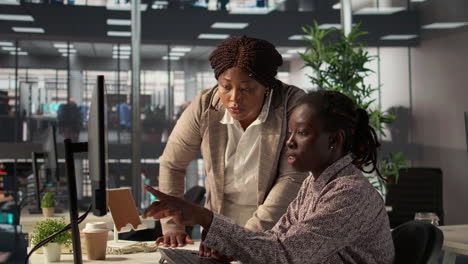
x=440, y=96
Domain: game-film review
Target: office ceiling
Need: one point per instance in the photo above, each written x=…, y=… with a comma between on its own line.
x=182, y=27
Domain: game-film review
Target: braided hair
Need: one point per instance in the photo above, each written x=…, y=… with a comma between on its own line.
x=337, y=111
x=257, y=57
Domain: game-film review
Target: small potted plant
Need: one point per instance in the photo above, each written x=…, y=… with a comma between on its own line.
x=48, y=204
x=44, y=229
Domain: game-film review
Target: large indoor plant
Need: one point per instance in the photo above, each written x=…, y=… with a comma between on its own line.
x=339, y=63
x=44, y=229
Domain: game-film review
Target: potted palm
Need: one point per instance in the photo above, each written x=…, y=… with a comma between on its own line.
x=341, y=65
x=44, y=229
x=48, y=204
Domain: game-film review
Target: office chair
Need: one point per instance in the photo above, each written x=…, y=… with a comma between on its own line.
x=417, y=190
x=417, y=242
x=196, y=195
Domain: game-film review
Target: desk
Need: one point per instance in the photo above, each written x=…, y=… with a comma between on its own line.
x=152, y=257
x=455, y=242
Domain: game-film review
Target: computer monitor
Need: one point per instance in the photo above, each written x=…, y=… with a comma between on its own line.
x=97, y=149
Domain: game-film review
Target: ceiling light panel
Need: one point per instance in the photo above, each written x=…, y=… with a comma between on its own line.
x=63, y=45
x=378, y=10
x=67, y=50
x=6, y=43
x=445, y=25
x=299, y=37
x=213, y=36
x=28, y=29
x=181, y=49
x=10, y=48
x=122, y=47
x=9, y=2
x=226, y=25
x=119, y=22
x=328, y=26
x=16, y=17
x=170, y=58
x=119, y=33
x=399, y=37
x=177, y=54
x=21, y=53
x=296, y=51
x=117, y=7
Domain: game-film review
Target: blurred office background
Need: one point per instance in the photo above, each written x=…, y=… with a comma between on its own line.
x=52, y=51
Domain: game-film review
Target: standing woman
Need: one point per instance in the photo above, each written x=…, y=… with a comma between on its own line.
x=240, y=128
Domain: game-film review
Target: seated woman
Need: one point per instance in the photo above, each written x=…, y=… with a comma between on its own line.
x=337, y=216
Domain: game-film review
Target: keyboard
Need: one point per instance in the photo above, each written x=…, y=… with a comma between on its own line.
x=184, y=256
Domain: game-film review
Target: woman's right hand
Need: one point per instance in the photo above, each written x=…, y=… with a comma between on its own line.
x=174, y=239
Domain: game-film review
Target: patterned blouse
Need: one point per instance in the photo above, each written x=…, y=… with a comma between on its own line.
x=338, y=218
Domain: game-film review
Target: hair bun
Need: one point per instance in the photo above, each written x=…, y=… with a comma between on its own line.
x=362, y=117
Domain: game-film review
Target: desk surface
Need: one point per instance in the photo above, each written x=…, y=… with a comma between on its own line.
x=455, y=238
x=152, y=257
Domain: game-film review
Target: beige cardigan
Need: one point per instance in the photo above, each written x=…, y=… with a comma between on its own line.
x=199, y=129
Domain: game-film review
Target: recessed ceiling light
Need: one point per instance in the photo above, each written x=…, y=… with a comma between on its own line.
x=9, y=2
x=122, y=47
x=445, y=25
x=16, y=17
x=378, y=10
x=227, y=25
x=181, y=49
x=122, y=52
x=299, y=37
x=5, y=43
x=158, y=4
x=170, y=58
x=63, y=45
x=67, y=50
x=22, y=53
x=295, y=51
x=119, y=22
x=177, y=54
x=121, y=57
x=119, y=33
x=28, y=29
x=399, y=37
x=418, y=1
x=337, y=6
x=213, y=36
x=328, y=26
x=10, y=48
x=251, y=10
x=117, y=7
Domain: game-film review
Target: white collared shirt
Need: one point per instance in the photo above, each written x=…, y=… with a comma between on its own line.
x=242, y=160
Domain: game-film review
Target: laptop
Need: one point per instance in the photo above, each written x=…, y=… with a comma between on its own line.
x=184, y=256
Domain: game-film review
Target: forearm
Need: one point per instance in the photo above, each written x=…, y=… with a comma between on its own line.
x=242, y=244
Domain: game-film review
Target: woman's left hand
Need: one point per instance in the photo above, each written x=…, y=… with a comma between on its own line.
x=182, y=212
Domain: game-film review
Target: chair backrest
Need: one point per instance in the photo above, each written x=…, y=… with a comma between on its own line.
x=196, y=195
x=417, y=242
x=417, y=190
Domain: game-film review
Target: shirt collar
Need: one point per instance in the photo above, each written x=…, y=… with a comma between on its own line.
x=332, y=171
x=228, y=120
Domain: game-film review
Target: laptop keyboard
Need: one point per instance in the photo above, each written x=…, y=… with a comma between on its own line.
x=184, y=256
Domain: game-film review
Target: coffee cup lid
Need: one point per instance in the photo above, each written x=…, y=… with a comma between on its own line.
x=95, y=227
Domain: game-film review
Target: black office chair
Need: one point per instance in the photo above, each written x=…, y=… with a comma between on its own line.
x=417, y=242
x=417, y=190
x=196, y=195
